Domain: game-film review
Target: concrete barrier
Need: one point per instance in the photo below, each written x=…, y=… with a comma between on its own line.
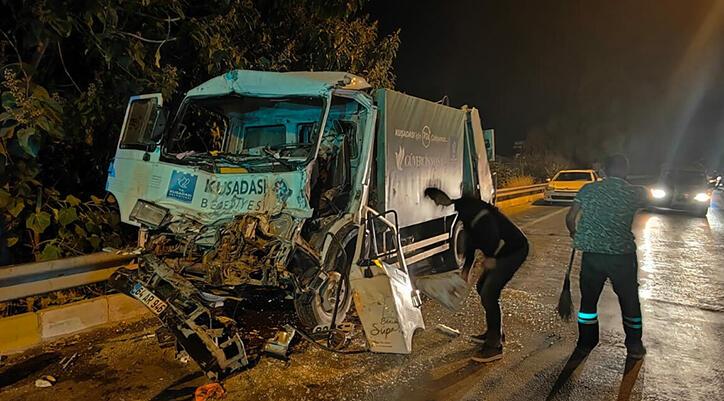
x=523, y=200
x=73, y=318
x=20, y=332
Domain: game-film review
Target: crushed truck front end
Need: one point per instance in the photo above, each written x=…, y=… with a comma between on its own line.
x=257, y=181
x=290, y=181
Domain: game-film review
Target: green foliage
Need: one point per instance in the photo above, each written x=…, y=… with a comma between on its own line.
x=67, y=227
x=69, y=68
x=504, y=172
x=518, y=181
x=542, y=165
x=38, y=222
x=527, y=169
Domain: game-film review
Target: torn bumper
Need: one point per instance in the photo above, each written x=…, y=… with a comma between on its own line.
x=211, y=339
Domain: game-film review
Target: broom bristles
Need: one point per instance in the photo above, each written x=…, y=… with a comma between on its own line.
x=565, y=303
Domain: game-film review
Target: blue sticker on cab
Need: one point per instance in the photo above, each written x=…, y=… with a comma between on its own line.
x=182, y=186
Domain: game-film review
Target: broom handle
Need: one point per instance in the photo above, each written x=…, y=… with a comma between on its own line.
x=570, y=262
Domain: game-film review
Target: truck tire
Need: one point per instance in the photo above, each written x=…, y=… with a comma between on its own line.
x=454, y=257
x=315, y=309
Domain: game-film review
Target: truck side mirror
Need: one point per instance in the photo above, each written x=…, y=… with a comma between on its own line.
x=144, y=123
x=160, y=126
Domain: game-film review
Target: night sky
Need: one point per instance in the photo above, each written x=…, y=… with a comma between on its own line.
x=652, y=70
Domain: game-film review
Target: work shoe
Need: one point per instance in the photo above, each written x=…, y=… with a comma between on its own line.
x=488, y=354
x=480, y=338
x=636, y=351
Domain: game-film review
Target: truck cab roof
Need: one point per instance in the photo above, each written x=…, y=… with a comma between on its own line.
x=276, y=84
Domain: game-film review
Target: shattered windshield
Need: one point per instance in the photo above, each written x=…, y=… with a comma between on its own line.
x=247, y=130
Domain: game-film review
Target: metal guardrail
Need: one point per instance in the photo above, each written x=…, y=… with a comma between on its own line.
x=510, y=193
x=20, y=281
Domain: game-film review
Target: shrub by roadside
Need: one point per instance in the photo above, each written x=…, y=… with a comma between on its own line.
x=518, y=181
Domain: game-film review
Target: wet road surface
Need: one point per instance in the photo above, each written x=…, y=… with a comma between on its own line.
x=681, y=262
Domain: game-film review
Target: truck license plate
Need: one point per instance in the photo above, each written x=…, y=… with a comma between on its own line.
x=154, y=303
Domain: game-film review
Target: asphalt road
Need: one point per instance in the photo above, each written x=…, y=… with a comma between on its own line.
x=682, y=292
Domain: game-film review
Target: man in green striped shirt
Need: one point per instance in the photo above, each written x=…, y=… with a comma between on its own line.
x=600, y=223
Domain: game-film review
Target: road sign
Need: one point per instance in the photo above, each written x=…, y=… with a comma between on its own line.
x=489, y=136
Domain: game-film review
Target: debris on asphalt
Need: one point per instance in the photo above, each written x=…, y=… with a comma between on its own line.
x=339, y=339
x=183, y=357
x=448, y=330
x=211, y=391
x=347, y=327
x=65, y=362
x=164, y=337
x=279, y=345
x=45, y=381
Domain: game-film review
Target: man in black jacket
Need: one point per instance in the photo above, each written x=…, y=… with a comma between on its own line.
x=505, y=248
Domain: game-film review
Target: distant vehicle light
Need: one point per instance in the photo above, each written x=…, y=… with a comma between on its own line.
x=702, y=197
x=658, y=193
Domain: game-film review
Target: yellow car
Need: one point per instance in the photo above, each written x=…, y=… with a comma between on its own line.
x=566, y=184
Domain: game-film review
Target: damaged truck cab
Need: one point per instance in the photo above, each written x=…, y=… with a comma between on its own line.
x=275, y=180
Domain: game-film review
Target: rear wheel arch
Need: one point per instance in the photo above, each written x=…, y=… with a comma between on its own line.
x=454, y=257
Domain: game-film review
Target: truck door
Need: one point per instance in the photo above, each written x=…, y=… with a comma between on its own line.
x=480, y=173
x=137, y=151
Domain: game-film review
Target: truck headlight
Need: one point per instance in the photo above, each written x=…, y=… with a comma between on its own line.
x=149, y=214
x=702, y=197
x=658, y=193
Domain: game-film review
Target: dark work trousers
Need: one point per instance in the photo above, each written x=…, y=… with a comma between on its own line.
x=490, y=285
x=622, y=270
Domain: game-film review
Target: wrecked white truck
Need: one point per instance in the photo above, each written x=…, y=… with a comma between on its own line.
x=285, y=180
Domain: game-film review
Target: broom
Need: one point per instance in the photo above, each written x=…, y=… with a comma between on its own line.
x=565, y=303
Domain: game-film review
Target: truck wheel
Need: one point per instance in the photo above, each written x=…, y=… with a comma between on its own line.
x=454, y=257
x=315, y=309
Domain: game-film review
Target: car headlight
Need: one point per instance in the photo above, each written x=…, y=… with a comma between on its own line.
x=149, y=214
x=702, y=197
x=658, y=193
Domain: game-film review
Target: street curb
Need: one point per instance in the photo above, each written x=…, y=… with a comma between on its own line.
x=20, y=332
